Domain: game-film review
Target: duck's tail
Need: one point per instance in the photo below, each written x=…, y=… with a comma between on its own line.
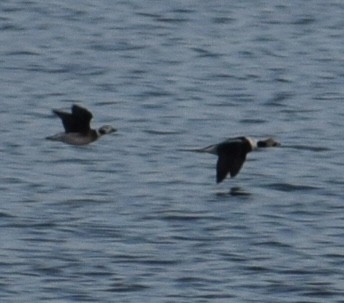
x=211, y=149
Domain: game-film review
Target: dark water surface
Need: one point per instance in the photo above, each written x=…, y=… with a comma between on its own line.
x=132, y=218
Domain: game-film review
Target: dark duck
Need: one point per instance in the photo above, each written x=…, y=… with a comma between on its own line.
x=232, y=154
x=77, y=127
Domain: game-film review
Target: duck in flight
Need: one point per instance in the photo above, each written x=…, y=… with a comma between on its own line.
x=77, y=127
x=232, y=154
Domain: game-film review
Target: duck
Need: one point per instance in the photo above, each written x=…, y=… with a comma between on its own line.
x=77, y=127
x=232, y=154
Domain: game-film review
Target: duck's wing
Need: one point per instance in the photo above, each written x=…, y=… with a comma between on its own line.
x=227, y=165
x=82, y=117
x=76, y=122
x=231, y=159
x=69, y=123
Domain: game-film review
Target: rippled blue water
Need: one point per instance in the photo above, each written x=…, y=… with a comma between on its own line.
x=132, y=218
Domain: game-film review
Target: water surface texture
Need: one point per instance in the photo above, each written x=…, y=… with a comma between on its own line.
x=132, y=217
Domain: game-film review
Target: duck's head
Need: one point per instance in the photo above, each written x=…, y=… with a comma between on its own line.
x=106, y=129
x=268, y=143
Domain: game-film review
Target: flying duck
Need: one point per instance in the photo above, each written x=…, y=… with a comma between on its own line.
x=232, y=154
x=77, y=127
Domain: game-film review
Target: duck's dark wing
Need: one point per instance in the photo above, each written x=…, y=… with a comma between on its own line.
x=76, y=122
x=82, y=117
x=70, y=125
x=227, y=165
x=231, y=158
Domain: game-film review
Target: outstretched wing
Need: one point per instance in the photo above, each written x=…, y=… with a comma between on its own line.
x=76, y=122
x=82, y=117
x=228, y=165
x=70, y=125
x=231, y=159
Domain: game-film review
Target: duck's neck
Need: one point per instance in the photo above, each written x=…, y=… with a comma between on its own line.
x=95, y=134
x=253, y=143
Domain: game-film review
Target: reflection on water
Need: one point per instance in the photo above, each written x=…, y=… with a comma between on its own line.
x=234, y=191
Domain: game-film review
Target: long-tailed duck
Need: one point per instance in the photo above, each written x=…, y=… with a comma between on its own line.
x=77, y=127
x=232, y=154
